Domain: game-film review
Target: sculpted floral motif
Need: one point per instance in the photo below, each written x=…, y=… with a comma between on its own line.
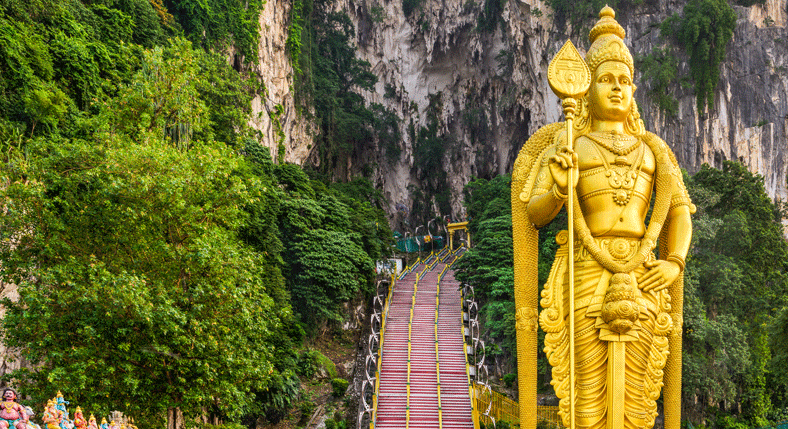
x=526, y=318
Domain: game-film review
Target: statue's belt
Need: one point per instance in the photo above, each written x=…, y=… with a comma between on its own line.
x=617, y=246
x=622, y=249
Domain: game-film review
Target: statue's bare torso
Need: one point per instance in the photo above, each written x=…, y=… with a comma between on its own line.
x=606, y=178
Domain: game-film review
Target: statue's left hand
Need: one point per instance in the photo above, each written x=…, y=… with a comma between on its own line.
x=660, y=275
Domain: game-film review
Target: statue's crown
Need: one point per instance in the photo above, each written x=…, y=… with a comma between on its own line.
x=607, y=42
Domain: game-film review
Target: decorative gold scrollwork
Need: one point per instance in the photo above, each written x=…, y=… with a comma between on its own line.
x=526, y=319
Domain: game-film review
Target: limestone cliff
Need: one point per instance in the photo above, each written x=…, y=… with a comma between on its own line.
x=494, y=92
x=275, y=110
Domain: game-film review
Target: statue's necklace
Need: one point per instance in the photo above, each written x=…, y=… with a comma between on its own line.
x=8, y=405
x=620, y=144
x=623, y=175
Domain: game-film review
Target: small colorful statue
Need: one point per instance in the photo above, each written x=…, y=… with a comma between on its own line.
x=61, y=403
x=104, y=424
x=11, y=413
x=92, y=422
x=52, y=415
x=79, y=419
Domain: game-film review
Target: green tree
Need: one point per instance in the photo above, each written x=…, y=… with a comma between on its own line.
x=735, y=281
x=325, y=263
x=220, y=24
x=126, y=252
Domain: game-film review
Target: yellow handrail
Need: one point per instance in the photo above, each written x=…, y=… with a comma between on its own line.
x=503, y=408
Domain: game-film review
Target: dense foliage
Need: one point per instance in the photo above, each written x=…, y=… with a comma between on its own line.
x=703, y=30
x=162, y=260
x=736, y=292
x=220, y=24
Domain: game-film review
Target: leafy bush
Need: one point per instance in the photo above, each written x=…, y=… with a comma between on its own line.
x=336, y=424
x=502, y=424
x=311, y=361
x=308, y=364
x=508, y=379
x=306, y=408
x=221, y=426
x=339, y=386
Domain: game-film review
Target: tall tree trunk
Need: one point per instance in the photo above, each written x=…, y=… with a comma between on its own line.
x=174, y=418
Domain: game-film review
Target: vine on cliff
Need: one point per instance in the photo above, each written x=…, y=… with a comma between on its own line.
x=429, y=150
x=294, y=42
x=491, y=15
x=703, y=31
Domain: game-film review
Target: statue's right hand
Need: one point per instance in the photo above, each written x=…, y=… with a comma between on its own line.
x=559, y=164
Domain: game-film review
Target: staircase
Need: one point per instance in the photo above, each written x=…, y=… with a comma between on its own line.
x=423, y=379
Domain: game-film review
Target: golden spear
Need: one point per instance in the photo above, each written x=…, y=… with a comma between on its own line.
x=570, y=78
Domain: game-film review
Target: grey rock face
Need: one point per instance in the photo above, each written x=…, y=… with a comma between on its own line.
x=494, y=92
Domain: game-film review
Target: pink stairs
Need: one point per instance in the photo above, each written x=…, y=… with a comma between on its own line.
x=424, y=386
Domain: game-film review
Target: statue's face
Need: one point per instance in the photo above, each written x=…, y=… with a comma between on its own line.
x=9, y=395
x=611, y=91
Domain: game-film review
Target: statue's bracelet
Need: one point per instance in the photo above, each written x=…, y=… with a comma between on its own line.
x=557, y=194
x=678, y=259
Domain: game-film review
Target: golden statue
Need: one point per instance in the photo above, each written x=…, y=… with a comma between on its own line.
x=622, y=316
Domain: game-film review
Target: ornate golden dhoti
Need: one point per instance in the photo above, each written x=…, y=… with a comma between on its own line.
x=618, y=372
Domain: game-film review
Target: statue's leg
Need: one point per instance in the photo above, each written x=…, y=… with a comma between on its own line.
x=3, y=424
x=645, y=359
x=590, y=352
